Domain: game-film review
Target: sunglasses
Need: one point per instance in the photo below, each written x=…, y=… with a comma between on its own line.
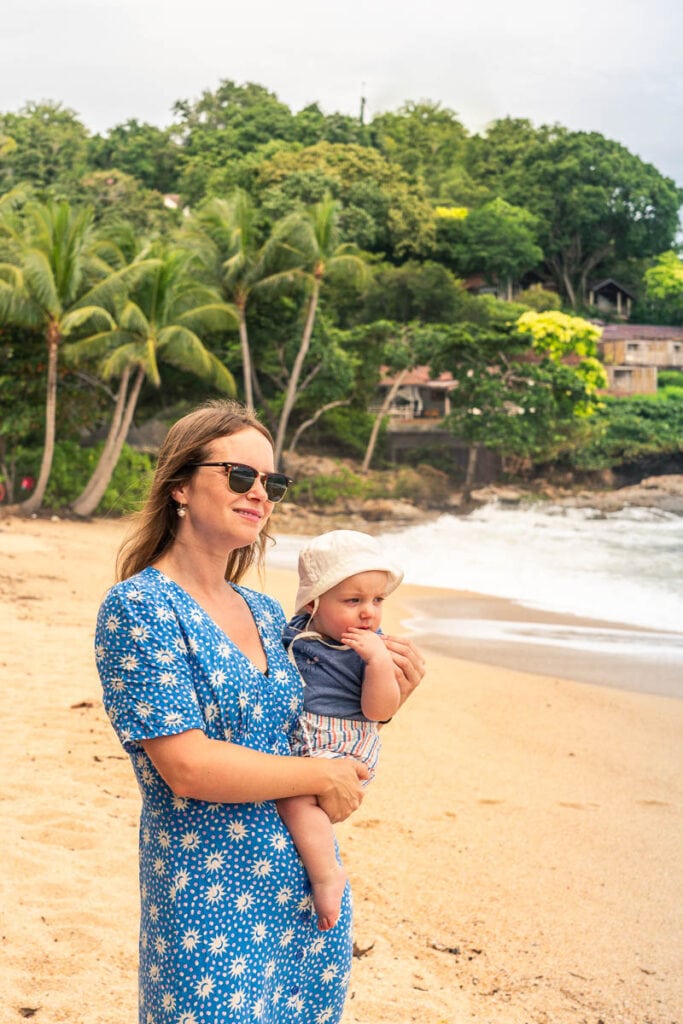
x=242, y=478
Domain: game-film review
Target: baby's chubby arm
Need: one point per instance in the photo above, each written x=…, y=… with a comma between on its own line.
x=381, y=694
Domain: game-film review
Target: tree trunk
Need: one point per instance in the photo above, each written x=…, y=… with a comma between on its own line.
x=291, y=393
x=391, y=394
x=314, y=419
x=470, y=472
x=33, y=503
x=82, y=502
x=246, y=361
x=105, y=467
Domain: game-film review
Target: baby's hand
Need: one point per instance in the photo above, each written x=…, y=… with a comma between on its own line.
x=364, y=642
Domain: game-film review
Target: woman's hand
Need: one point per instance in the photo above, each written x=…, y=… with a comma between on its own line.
x=408, y=663
x=342, y=792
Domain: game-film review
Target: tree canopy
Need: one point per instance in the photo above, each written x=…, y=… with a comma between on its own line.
x=299, y=252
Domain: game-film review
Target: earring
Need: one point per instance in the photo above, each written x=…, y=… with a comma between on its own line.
x=181, y=510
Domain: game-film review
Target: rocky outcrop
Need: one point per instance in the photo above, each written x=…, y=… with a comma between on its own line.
x=661, y=492
x=377, y=515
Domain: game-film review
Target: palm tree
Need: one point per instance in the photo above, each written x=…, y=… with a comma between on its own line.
x=308, y=243
x=158, y=320
x=51, y=280
x=228, y=229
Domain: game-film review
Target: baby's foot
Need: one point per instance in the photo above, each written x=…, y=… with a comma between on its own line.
x=327, y=897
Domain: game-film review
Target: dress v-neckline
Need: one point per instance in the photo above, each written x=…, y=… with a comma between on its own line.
x=237, y=589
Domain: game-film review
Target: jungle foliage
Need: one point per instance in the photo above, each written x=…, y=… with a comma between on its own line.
x=292, y=257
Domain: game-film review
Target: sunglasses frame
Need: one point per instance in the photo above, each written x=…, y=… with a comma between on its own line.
x=262, y=477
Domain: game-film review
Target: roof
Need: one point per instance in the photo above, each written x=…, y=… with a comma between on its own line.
x=609, y=284
x=420, y=376
x=641, y=332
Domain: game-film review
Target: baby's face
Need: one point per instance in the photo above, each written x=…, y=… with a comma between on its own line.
x=356, y=601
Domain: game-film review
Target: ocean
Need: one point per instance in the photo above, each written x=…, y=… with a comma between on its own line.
x=622, y=570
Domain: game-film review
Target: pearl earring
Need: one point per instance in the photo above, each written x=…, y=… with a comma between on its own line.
x=181, y=511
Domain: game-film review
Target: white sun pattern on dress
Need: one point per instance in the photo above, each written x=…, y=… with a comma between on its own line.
x=227, y=931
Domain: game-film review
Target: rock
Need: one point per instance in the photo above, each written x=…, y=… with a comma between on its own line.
x=504, y=495
x=378, y=509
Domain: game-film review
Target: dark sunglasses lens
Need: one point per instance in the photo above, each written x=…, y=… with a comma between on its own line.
x=241, y=479
x=276, y=486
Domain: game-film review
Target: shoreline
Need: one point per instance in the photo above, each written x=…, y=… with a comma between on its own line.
x=518, y=857
x=509, y=634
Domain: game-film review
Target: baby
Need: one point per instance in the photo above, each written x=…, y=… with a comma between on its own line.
x=350, y=685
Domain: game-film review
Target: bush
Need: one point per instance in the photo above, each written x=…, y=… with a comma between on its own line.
x=129, y=484
x=326, y=489
x=346, y=431
x=72, y=467
x=629, y=429
x=423, y=485
x=669, y=379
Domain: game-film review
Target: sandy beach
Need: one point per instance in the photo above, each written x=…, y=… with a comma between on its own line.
x=519, y=859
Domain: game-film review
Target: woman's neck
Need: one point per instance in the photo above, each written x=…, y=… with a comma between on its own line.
x=194, y=568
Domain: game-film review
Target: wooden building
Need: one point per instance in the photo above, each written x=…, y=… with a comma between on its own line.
x=633, y=354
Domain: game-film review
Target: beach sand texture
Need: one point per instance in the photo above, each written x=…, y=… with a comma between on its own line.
x=519, y=859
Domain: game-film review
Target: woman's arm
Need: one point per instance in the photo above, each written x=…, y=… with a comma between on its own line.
x=217, y=771
x=408, y=663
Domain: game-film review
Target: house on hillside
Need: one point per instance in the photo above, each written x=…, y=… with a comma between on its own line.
x=416, y=410
x=633, y=353
x=419, y=396
x=611, y=298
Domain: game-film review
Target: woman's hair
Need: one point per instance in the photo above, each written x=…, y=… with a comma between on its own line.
x=187, y=442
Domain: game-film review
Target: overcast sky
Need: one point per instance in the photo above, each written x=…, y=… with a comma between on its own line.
x=593, y=65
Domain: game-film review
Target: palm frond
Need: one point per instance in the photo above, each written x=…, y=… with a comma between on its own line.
x=96, y=345
x=40, y=282
x=128, y=355
x=134, y=321
x=217, y=316
x=83, y=315
x=182, y=348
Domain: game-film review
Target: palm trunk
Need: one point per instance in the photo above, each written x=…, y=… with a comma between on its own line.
x=246, y=362
x=81, y=505
x=291, y=393
x=106, y=467
x=386, y=404
x=33, y=503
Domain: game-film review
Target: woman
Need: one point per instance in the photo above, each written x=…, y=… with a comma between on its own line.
x=202, y=695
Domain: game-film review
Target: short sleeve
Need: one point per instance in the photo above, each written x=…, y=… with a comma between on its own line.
x=144, y=665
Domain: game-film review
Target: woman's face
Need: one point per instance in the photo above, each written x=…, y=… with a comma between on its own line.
x=213, y=513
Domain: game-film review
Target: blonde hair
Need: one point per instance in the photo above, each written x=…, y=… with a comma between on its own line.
x=187, y=442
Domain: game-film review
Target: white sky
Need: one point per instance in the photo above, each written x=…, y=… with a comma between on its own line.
x=602, y=65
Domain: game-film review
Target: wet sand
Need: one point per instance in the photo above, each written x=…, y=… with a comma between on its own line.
x=497, y=631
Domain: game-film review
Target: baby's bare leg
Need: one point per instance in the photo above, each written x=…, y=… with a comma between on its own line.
x=313, y=837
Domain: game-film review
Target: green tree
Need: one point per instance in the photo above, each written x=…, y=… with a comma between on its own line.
x=497, y=240
x=307, y=248
x=380, y=209
x=229, y=240
x=115, y=196
x=51, y=280
x=48, y=152
x=528, y=405
x=425, y=139
x=426, y=292
x=664, y=287
x=596, y=202
x=143, y=151
x=158, y=320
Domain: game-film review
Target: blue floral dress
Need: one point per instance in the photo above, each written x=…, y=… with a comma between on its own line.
x=228, y=932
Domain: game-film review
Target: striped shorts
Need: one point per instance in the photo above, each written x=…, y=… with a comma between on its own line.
x=326, y=736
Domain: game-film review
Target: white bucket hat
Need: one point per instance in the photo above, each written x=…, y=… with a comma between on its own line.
x=332, y=557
